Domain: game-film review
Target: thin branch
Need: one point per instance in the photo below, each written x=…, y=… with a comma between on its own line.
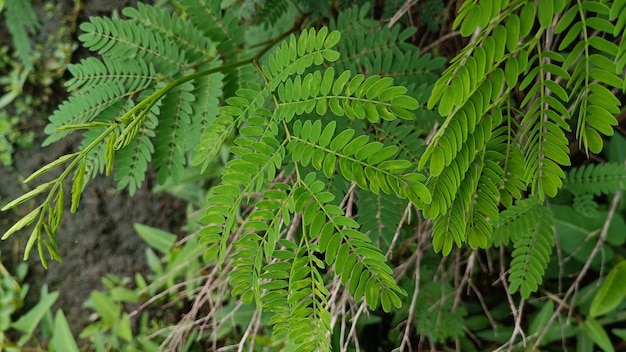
x=464, y=280
x=515, y=311
x=352, y=331
x=597, y=248
x=405, y=215
x=408, y=323
x=256, y=318
x=440, y=40
x=404, y=9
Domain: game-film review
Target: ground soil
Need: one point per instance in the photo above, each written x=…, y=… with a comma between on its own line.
x=99, y=238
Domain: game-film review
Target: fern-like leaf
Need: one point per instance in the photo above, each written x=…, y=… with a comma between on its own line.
x=221, y=27
x=191, y=41
x=205, y=107
x=21, y=20
x=260, y=154
x=122, y=40
x=372, y=98
x=591, y=60
x=517, y=220
x=170, y=136
x=531, y=256
x=90, y=73
x=95, y=157
x=368, y=164
x=546, y=147
x=585, y=205
x=388, y=54
x=405, y=135
x=306, y=322
x=132, y=160
x=379, y=217
x=272, y=11
x=361, y=265
x=83, y=108
x=296, y=55
x=596, y=179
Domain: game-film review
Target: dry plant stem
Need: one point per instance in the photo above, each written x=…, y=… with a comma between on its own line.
x=422, y=239
x=516, y=312
x=431, y=134
x=408, y=323
x=464, y=280
x=227, y=348
x=341, y=300
x=441, y=39
x=352, y=331
x=346, y=199
x=335, y=305
x=603, y=233
x=163, y=293
x=295, y=223
x=562, y=302
x=483, y=304
x=405, y=215
x=251, y=329
x=351, y=202
x=406, y=7
x=204, y=297
x=556, y=299
x=180, y=331
x=342, y=337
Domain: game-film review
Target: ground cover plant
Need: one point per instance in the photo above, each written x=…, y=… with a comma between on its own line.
x=335, y=168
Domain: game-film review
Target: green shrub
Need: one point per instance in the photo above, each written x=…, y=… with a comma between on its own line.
x=334, y=167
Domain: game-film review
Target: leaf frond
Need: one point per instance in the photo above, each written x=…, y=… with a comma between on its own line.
x=596, y=179
x=531, y=256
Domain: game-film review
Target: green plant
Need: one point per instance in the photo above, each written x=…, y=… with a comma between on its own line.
x=22, y=67
x=321, y=136
x=185, y=55
x=54, y=330
x=21, y=19
x=490, y=149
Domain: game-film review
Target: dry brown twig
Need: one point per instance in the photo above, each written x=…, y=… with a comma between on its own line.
x=404, y=9
x=406, y=342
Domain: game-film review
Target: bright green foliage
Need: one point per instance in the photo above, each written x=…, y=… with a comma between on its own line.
x=593, y=63
x=490, y=148
x=406, y=65
x=319, y=138
x=531, y=255
x=517, y=220
x=529, y=228
x=361, y=266
x=596, y=179
x=169, y=92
